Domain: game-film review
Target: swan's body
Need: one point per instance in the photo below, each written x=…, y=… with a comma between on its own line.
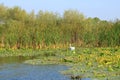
x=72, y=48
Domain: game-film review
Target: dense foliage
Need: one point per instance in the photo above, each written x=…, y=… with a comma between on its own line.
x=19, y=29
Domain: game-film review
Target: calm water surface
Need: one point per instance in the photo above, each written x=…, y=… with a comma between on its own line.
x=14, y=69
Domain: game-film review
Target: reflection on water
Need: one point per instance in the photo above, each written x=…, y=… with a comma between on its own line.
x=12, y=68
x=13, y=59
x=29, y=72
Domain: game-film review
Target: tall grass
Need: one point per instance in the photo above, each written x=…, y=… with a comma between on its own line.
x=19, y=29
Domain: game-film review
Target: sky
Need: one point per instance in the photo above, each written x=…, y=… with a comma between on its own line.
x=103, y=9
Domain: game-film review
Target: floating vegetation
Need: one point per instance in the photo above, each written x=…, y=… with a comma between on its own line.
x=100, y=63
x=97, y=63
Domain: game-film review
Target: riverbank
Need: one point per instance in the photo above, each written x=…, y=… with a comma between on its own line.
x=86, y=62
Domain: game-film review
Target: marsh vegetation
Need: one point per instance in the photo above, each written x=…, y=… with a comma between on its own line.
x=19, y=29
x=99, y=63
x=44, y=38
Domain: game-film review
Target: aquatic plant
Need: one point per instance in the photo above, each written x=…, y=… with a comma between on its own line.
x=89, y=62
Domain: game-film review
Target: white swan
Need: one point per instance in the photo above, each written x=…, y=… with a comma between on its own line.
x=72, y=48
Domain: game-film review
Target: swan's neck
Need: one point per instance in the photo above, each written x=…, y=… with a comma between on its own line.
x=70, y=45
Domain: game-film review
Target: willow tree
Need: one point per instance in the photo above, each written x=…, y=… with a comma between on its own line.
x=73, y=24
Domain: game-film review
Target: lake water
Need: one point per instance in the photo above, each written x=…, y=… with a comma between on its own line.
x=13, y=68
